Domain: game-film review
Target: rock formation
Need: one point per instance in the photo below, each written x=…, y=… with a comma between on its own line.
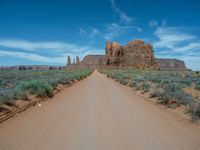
x=170, y=64
x=94, y=60
x=135, y=54
x=77, y=60
x=68, y=60
x=74, y=61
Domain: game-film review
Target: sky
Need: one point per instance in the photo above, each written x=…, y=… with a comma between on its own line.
x=36, y=32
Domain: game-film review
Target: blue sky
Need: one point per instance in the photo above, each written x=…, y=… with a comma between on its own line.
x=41, y=32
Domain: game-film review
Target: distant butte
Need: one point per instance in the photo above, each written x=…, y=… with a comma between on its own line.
x=136, y=54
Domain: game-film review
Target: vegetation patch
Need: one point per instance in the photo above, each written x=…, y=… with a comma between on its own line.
x=19, y=84
x=36, y=87
x=167, y=86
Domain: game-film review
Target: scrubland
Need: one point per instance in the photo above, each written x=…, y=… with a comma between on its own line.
x=167, y=87
x=21, y=84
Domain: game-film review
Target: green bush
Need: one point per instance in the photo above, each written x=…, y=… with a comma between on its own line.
x=194, y=110
x=197, y=85
x=145, y=87
x=15, y=84
x=36, y=87
x=165, y=85
x=133, y=84
x=124, y=81
x=174, y=91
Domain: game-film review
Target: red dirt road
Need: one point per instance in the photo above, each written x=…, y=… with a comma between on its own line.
x=98, y=114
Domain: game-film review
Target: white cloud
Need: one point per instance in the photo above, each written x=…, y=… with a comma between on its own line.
x=194, y=46
x=82, y=31
x=33, y=57
x=40, y=58
x=39, y=51
x=124, y=18
x=27, y=45
x=173, y=38
x=111, y=30
x=175, y=42
x=114, y=29
x=138, y=29
x=56, y=47
x=95, y=32
x=153, y=23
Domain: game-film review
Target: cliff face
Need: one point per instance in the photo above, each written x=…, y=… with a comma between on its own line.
x=94, y=60
x=170, y=64
x=135, y=54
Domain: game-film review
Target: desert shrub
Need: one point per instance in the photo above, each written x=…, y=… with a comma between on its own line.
x=174, y=91
x=166, y=85
x=155, y=92
x=145, y=87
x=53, y=82
x=36, y=87
x=7, y=94
x=140, y=79
x=124, y=81
x=155, y=78
x=1, y=99
x=16, y=84
x=194, y=110
x=197, y=85
x=133, y=84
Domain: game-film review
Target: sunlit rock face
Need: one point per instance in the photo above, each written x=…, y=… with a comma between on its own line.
x=169, y=64
x=94, y=60
x=136, y=53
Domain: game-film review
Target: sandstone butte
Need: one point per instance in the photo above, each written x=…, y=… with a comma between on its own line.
x=136, y=54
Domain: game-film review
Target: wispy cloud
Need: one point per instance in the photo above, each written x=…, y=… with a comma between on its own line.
x=114, y=30
x=49, y=52
x=111, y=30
x=153, y=23
x=124, y=18
x=95, y=32
x=27, y=45
x=32, y=56
x=82, y=31
x=175, y=39
x=177, y=42
x=53, y=46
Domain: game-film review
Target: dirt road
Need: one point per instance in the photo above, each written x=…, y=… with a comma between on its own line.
x=98, y=114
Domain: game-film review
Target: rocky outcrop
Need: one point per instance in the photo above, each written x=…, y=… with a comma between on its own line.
x=77, y=60
x=170, y=64
x=135, y=54
x=94, y=60
x=69, y=60
x=89, y=61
